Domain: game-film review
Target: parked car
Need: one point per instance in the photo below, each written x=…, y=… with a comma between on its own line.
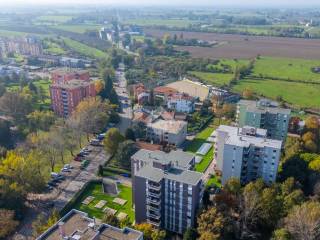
x=84, y=164
x=52, y=184
x=68, y=166
x=95, y=142
x=78, y=158
x=66, y=170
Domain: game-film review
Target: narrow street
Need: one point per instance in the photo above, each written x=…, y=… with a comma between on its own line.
x=120, y=87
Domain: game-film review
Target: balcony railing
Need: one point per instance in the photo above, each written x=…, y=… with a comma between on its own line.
x=153, y=201
x=154, y=187
x=154, y=222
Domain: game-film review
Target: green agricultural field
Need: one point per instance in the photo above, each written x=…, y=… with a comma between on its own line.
x=84, y=49
x=95, y=190
x=298, y=94
x=78, y=28
x=54, y=18
x=161, y=22
x=54, y=48
x=217, y=79
x=5, y=33
x=285, y=68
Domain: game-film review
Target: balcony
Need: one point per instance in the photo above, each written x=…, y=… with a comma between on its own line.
x=154, y=209
x=154, y=222
x=154, y=194
x=153, y=215
x=154, y=187
x=154, y=201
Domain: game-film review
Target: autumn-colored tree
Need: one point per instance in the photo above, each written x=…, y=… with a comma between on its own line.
x=41, y=224
x=312, y=123
x=7, y=223
x=303, y=221
x=281, y=234
x=146, y=228
x=209, y=236
x=247, y=94
x=92, y=114
x=210, y=221
x=112, y=140
x=99, y=86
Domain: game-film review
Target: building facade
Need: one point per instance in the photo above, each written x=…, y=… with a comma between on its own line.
x=166, y=192
x=246, y=153
x=171, y=132
x=66, y=97
x=77, y=225
x=181, y=102
x=264, y=114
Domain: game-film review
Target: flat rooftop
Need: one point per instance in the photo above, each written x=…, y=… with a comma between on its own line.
x=73, y=84
x=184, y=159
x=170, y=126
x=179, y=171
x=77, y=225
x=194, y=89
x=237, y=138
x=263, y=106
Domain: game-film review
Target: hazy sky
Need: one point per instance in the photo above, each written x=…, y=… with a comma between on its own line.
x=171, y=2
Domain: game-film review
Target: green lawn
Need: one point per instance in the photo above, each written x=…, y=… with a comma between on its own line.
x=217, y=79
x=95, y=190
x=286, y=68
x=196, y=144
x=298, y=94
x=214, y=180
x=54, y=18
x=84, y=49
x=54, y=48
x=81, y=28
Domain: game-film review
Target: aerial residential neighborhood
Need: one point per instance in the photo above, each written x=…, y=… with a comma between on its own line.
x=160, y=120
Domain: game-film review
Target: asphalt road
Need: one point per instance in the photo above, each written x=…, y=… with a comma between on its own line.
x=120, y=87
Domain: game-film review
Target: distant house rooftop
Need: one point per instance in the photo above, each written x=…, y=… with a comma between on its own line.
x=170, y=126
x=77, y=225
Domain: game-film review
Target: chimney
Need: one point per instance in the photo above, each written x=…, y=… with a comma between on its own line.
x=62, y=231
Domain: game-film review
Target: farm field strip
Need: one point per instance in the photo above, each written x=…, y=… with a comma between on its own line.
x=242, y=46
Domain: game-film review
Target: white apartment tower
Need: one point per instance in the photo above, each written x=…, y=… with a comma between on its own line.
x=246, y=153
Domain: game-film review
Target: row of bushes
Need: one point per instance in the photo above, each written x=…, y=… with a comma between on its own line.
x=116, y=170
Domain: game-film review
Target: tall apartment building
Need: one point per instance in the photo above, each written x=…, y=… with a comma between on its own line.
x=76, y=225
x=166, y=192
x=167, y=131
x=264, y=114
x=65, y=97
x=68, y=89
x=246, y=153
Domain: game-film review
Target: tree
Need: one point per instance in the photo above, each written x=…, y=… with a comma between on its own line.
x=41, y=224
x=6, y=138
x=129, y=134
x=190, y=234
x=146, y=228
x=247, y=94
x=125, y=150
x=100, y=170
x=208, y=236
x=281, y=234
x=303, y=221
x=7, y=223
x=312, y=123
x=158, y=234
x=139, y=130
x=2, y=89
x=111, y=220
x=99, y=86
x=40, y=120
x=92, y=114
x=15, y=105
x=210, y=221
x=112, y=140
